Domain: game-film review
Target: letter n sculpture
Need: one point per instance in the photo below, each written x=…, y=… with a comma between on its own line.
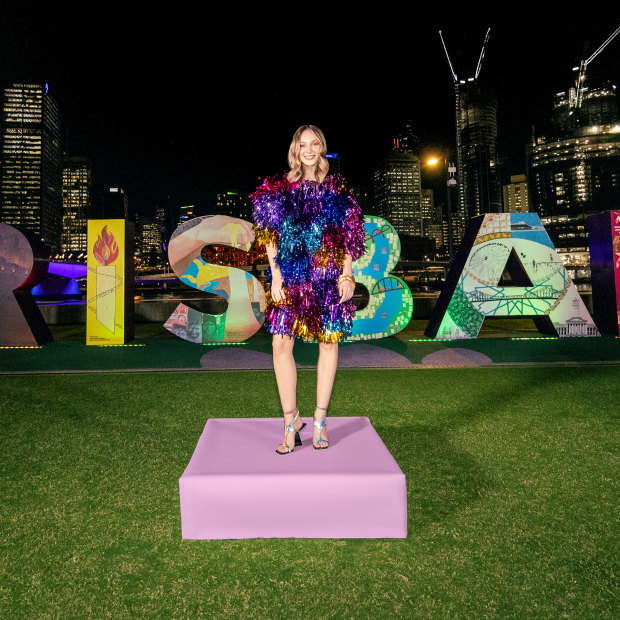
x=508, y=266
x=109, y=284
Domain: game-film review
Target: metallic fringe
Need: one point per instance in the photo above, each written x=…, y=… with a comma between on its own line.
x=322, y=257
x=265, y=236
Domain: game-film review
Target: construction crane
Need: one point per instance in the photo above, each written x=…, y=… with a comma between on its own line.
x=581, y=79
x=478, y=67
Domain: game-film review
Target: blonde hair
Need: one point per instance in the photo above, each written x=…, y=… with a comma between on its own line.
x=294, y=158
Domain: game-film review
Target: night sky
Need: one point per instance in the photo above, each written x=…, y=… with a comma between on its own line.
x=195, y=98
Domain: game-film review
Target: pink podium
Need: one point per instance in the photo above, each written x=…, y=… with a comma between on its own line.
x=236, y=486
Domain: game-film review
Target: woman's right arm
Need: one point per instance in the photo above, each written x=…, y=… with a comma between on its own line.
x=276, y=275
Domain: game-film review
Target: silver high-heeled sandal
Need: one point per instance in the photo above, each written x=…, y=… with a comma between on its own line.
x=319, y=424
x=290, y=428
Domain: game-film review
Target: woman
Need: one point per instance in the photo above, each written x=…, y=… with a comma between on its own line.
x=313, y=231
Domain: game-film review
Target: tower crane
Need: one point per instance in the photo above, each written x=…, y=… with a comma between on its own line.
x=479, y=66
x=583, y=65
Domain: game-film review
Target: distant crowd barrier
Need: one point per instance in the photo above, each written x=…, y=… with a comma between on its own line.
x=494, y=244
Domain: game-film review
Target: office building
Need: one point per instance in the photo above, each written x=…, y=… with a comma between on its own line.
x=77, y=203
x=516, y=197
x=334, y=163
x=32, y=162
x=234, y=204
x=151, y=245
x=397, y=191
x=186, y=213
x=576, y=170
x=476, y=137
x=427, y=209
x=407, y=139
x=115, y=204
x=361, y=195
x=163, y=219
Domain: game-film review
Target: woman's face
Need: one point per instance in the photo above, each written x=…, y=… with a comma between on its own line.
x=309, y=148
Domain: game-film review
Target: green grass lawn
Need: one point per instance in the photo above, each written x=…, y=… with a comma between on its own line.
x=512, y=498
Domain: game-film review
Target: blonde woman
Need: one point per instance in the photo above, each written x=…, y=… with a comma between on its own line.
x=313, y=230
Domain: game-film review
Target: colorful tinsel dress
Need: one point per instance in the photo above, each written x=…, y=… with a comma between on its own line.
x=314, y=226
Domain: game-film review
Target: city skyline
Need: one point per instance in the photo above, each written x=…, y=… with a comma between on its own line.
x=167, y=105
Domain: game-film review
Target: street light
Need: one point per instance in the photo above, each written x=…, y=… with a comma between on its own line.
x=450, y=170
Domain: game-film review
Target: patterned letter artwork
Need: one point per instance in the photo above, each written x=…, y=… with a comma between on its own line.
x=390, y=303
x=243, y=292
x=23, y=264
x=388, y=311
x=538, y=286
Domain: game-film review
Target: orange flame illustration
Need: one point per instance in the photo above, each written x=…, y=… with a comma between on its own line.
x=105, y=249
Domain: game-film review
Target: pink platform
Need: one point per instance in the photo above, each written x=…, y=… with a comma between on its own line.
x=236, y=486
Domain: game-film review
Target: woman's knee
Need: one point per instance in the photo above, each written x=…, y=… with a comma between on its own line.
x=328, y=348
x=282, y=345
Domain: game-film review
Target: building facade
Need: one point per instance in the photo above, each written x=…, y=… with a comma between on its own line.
x=115, y=204
x=32, y=162
x=397, y=192
x=576, y=169
x=151, y=243
x=333, y=159
x=77, y=203
x=427, y=209
x=516, y=195
x=186, y=213
x=234, y=204
x=476, y=139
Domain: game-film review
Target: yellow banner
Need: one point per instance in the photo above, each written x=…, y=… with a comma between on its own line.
x=105, y=285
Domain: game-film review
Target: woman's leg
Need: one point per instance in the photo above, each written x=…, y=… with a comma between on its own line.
x=325, y=373
x=286, y=378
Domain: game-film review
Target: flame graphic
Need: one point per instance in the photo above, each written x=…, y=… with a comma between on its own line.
x=105, y=249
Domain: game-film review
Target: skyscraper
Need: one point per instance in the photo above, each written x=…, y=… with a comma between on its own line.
x=334, y=162
x=234, y=204
x=476, y=161
x=151, y=243
x=476, y=137
x=427, y=208
x=115, y=204
x=576, y=169
x=516, y=197
x=76, y=203
x=186, y=212
x=397, y=192
x=32, y=162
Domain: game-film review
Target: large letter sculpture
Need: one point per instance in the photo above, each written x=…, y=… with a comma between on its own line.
x=23, y=264
x=604, y=238
x=243, y=292
x=109, y=283
x=390, y=303
x=516, y=243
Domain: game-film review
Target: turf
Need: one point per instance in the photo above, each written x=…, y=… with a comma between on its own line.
x=512, y=498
